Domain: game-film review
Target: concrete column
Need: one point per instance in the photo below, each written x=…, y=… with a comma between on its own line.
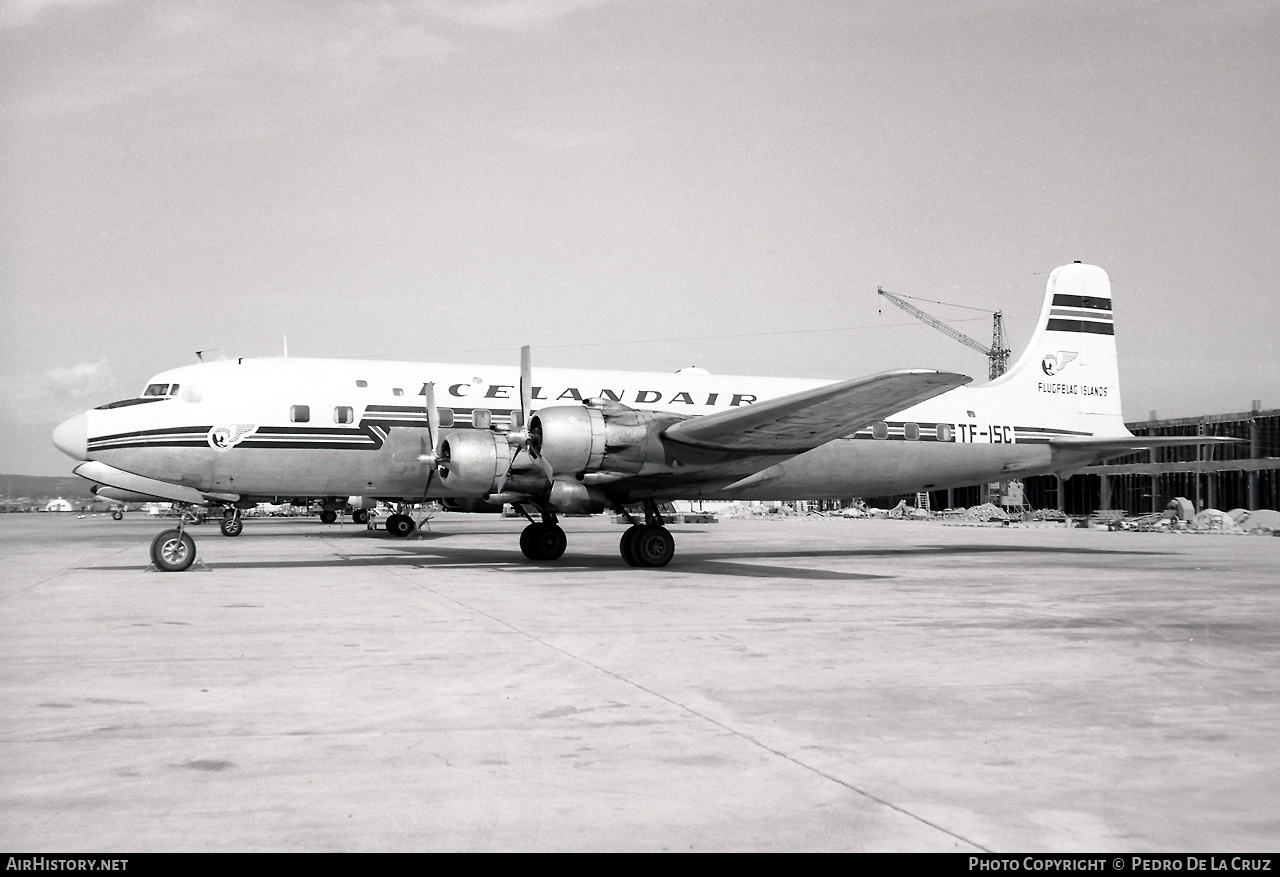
x=1062, y=493
x=1156, y=505
x=1213, y=489
x=1104, y=493
x=1255, y=444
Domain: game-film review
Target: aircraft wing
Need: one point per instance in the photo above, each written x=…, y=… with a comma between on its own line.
x=802, y=421
x=110, y=476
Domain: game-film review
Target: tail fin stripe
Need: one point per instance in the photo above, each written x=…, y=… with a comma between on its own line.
x=1083, y=326
x=1082, y=301
x=1081, y=313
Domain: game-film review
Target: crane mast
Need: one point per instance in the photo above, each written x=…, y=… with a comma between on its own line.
x=997, y=354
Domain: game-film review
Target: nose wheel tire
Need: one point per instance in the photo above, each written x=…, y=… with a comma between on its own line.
x=232, y=526
x=651, y=546
x=173, y=551
x=400, y=525
x=543, y=542
x=117, y=515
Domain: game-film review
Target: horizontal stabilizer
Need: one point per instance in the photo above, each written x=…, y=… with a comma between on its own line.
x=1137, y=442
x=802, y=421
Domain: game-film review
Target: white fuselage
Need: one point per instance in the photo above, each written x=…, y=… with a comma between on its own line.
x=314, y=428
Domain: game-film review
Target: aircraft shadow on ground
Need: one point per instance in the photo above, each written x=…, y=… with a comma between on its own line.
x=427, y=553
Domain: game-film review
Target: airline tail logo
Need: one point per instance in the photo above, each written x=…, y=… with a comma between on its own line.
x=224, y=438
x=1055, y=363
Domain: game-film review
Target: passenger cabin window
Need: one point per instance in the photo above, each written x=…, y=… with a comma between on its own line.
x=944, y=432
x=343, y=414
x=482, y=418
x=156, y=390
x=396, y=391
x=880, y=430
x=912, y=432
x=446, y=416
x=300, y=413
x=362, y=384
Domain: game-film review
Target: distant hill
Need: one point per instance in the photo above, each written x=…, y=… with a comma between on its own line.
x=37, y=487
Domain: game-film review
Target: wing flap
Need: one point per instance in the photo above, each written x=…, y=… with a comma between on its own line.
x=802, y=421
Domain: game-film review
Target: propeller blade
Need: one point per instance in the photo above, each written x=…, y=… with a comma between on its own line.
x=518, y=435
x=526, y=385
x=433, y=436
x=433, y=415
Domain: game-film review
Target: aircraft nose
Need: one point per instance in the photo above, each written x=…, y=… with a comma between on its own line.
x=72, y=437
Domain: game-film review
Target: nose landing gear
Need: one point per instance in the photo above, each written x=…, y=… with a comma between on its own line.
x=173, y=550
x=232, y=524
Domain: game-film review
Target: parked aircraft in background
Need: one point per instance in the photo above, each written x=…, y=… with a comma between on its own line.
x=235, y=433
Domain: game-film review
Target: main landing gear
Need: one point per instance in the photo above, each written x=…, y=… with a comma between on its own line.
x=400, y=525
x=649, y=544
x=542, y=541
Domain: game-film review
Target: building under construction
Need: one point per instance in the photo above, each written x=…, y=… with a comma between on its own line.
x=1223, y=476
x=1242, y=475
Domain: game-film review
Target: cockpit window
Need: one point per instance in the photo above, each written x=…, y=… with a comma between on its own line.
x=156, y=390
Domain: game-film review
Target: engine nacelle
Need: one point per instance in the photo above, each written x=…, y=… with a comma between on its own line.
x=574, y=440
x=576, y=498
x=474, y=462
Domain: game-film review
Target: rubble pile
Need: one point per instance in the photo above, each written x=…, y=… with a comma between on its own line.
x=986, y=512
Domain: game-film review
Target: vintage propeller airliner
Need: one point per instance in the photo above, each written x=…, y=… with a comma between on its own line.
x=234, y=433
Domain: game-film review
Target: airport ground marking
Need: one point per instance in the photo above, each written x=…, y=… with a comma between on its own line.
x=700, y=715
x=59, y=575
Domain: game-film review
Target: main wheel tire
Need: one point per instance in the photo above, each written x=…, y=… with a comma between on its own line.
x=173, y=551
x=627, y=546
x=117, y=515
x=328, y=517
x=360, y=516
x=400, y=525
x=529, y=537
x=232, y=526
x=552, y=542
x=543, y=542
x=654, y=546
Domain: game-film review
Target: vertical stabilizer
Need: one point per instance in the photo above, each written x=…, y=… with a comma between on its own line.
x=1069, y=366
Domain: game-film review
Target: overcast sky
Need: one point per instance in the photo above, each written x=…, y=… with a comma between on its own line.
x=643, y=185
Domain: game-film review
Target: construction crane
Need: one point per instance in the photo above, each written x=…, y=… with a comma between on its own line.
x=997, y=354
